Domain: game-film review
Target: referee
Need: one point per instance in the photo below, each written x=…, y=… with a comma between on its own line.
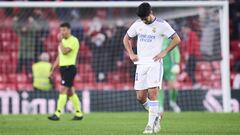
x=67, y=55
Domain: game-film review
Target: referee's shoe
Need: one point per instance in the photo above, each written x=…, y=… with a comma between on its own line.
x=78, y=116
x=54, y=117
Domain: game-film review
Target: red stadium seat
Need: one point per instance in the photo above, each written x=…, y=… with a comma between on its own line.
x=22, y=86
x=86, y=77
x=3, y=86
x=53, y=55
x=232, y=76
x=234, y=45
x=84, y=68
x=119, y=77
x=14, y=57
x=22, y=78
x=105, y=86
x=90, y=86
x=198, y=76
x=11, y=86
x=206, y=75
x=12, y=78
x=9, y=40
x=216, y=65
x=85, y=54
x=5, y=59
x=204, y=66
x=86, y=86
x=3, y=78
x=79, y=86
x=236, y=54
x=217, y=84
x=51, y=42
x=57, y=78
x=124, y=86
x=25, y=86
x=185, y=85
x=78, y=78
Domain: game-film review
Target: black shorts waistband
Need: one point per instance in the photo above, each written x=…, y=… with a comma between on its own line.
x=68, y=66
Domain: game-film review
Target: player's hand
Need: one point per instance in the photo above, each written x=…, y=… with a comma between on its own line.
x=51, y=74
x=175, y=69
x=133, y=57
x=60, y=46
x=159, y=56
x=59, y=37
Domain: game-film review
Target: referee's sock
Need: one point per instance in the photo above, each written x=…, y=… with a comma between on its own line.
x=76, y=104
x=62, y=99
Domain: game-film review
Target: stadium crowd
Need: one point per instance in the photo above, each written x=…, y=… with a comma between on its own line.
x=102, y=63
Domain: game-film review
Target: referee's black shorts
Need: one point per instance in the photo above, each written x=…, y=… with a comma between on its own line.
x=68, y=74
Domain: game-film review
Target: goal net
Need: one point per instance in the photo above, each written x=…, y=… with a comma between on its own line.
x=105, y=74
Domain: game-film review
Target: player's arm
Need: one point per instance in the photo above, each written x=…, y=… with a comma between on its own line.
x=55, y=64
x=64, y=50
x=174, y=42
x=128, y=43
x=176, y=55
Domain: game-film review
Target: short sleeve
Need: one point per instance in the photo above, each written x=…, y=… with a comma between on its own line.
x=72, y=45
x=132, y=32
x=168, y=30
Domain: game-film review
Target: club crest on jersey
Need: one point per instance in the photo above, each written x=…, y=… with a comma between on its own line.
x=154, y=30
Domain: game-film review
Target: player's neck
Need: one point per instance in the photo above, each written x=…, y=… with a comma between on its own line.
x=68, y=36
x=153, y=18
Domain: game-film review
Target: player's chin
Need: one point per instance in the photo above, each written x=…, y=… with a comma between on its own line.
x=147, y=22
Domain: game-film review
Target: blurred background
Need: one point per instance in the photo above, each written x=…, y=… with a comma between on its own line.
x=105, y=73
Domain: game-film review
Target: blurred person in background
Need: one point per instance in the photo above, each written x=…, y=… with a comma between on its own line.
x=97, y=41
x=171, y=69
x=191, y=49
x=116, y=46
x=26, y=30
x=236, y=80
x=41, y=73
x=75, y=22
x=41, y=32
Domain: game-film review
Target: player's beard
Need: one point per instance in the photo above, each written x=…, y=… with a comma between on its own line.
x=148, y=22
x=65, y=36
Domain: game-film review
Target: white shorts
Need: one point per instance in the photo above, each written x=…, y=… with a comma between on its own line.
x=148, y=76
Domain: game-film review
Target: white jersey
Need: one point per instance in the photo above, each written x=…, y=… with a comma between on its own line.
x=150, y=38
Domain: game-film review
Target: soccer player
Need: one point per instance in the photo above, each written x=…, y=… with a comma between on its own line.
x=150, y=32
x=67, y=56
x=171, y=68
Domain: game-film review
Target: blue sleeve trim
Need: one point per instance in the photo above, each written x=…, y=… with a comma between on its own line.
x=129, y=36
x=172, y=35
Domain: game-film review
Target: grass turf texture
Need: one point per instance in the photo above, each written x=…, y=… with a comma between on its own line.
x=132, y=123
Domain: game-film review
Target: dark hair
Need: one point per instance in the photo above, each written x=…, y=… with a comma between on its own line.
x=65, y=24
x=144, y=10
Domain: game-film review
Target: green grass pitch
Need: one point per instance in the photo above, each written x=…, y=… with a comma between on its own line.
x=132, y=123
